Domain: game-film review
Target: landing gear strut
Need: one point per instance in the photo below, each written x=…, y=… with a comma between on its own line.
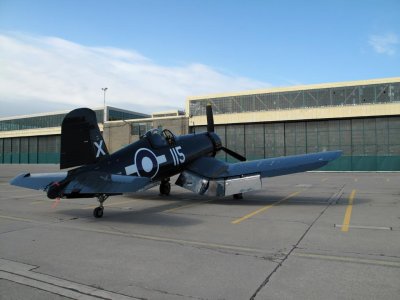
x=165, y=187
x=98, y=211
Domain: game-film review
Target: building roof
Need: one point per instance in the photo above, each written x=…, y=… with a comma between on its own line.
x=298, y=88
x=61, y=112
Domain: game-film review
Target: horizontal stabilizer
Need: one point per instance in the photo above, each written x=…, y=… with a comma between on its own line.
x=37, y=181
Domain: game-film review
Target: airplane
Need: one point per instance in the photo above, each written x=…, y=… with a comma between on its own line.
x=153, y=160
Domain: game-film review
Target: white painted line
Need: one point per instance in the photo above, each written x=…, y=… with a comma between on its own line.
x=141, y=236
x=350, y=259
x=365, y=227
x=23, y=274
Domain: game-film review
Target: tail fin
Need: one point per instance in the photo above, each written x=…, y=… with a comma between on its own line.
x=81, y=140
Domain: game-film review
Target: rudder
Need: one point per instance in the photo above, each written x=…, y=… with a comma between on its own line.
x=81, y=140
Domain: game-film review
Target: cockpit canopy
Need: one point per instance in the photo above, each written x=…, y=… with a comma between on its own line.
x=158, y=138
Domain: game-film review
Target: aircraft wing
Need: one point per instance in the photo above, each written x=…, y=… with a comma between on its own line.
x=212, y=168
x=90, y=182
x=37, y=181
x=105, y=183
x=210, y=176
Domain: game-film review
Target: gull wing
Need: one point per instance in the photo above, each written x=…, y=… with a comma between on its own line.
x=94, y=182
x=209, y=176
x=214, y=169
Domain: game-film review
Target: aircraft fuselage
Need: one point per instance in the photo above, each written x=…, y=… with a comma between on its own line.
x=157, y=159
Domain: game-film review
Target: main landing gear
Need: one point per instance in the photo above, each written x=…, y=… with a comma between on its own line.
x=165, y=187
x=98, y=211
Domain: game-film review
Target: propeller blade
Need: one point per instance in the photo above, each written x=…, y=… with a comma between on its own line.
x=210, y=118
x=234, y=154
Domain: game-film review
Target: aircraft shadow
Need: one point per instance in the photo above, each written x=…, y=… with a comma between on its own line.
x=147, y=216
x=249, y=199
x=160, y=215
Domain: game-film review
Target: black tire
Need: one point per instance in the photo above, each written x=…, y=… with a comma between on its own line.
x=98, y=212
x=165, y=188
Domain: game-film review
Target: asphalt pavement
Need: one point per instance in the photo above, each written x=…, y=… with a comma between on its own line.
x=304, y=236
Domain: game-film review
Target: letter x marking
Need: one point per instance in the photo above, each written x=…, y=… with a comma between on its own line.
x=99, y=149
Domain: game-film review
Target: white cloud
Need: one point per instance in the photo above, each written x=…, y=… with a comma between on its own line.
x=384, y=44
x=42, y=73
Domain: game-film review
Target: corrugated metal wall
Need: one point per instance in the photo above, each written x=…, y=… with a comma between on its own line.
x=368, y=144
x=30, y=150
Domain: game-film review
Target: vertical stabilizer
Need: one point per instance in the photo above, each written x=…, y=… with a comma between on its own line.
x=81, y=140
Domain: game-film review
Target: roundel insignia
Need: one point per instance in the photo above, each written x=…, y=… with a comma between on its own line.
x=146, y=163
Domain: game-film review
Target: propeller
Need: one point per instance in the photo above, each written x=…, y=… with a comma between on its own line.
x=210, y=118
x=210, y=128
x=233, y=154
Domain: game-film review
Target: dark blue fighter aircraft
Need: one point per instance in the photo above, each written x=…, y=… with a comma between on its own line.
x=152, y=160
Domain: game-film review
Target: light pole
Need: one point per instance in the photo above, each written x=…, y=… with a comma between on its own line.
x=105, y=110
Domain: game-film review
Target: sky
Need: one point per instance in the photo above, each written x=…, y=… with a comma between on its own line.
x=152, y=55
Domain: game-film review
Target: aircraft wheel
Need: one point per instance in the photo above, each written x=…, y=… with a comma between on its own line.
x=165, y=188
x=98, y=212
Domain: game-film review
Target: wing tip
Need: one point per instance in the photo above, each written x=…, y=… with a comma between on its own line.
x=335, y=154
x=17, y=178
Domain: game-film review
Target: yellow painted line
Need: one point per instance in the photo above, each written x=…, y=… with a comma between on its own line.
x=111, y=204
x=347, y=215
x=41, y=201
x=262, y=209
x=186, y=206
x=38, y=202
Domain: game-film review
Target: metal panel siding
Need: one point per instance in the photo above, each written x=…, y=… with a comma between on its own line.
x=221, y=131
x=1, y=151
x=235, y=139
x=33, y=150
x=24, y=154
x=7, y=151
x=48, y=150
x=368, y=144
x=254, y=138
x=274, y=139
x=15, y=146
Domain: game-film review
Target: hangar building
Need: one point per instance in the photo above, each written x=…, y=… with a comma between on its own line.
x=35, y=139
x=362, y=118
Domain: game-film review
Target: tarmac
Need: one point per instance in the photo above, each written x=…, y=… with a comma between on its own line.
x=303, y=236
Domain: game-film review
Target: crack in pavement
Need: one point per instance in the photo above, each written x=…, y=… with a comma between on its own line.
x=333, y=198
